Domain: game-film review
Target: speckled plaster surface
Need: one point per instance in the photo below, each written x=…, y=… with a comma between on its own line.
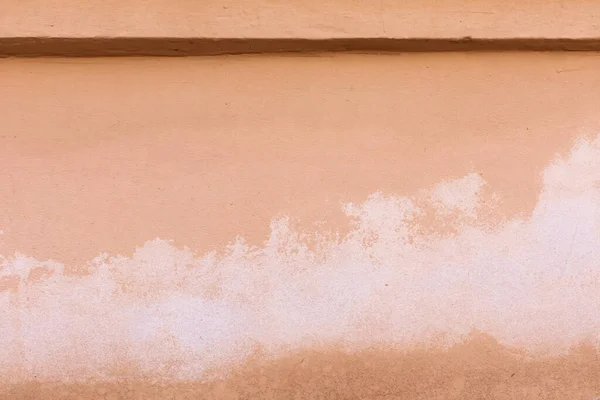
x=415, y=226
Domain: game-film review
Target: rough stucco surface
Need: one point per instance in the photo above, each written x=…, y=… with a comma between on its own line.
x=301, y=18
x=417, y=227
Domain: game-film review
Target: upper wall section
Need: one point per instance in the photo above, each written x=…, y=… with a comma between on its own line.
x=308, y=19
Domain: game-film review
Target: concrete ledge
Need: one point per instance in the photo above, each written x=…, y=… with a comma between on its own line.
x=209, y=27
x=306, y=19
x=103, y=47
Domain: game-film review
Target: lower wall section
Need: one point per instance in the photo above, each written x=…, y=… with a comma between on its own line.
x=478, y=368
x=413, y=226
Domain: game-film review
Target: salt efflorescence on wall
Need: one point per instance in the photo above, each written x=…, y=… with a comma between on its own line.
x=427, y=268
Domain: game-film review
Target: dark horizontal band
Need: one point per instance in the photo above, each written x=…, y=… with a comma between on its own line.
x=150, y=46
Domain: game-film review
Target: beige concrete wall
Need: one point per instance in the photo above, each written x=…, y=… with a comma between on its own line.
x=464, y=190
x=301, y=18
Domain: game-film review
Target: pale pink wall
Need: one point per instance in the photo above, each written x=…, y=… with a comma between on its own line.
x=499, y=152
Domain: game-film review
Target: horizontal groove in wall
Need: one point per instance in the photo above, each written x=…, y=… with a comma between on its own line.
x=114, y=47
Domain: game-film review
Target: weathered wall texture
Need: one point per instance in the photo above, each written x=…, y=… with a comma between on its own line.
x=301, y=18
x=416, y=227
x=409, y=226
